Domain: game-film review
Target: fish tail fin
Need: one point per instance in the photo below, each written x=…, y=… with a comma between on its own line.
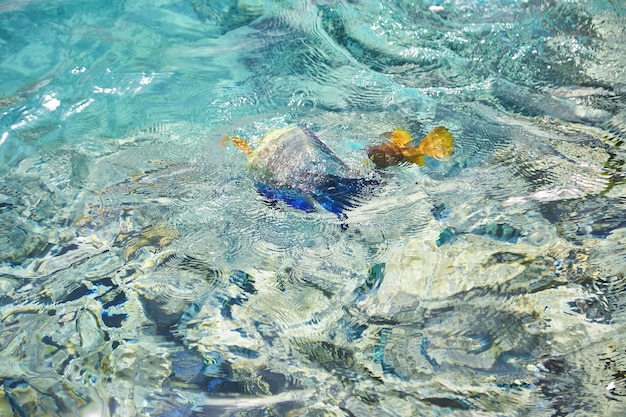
x=438, y=143
x=239, y=143
x=338, y=194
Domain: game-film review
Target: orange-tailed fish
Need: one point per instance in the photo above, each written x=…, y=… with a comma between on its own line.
x=294, y=166
x=438, y=144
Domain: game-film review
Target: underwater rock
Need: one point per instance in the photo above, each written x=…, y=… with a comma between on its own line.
x=189, y=367
x=158, y=236
x=593, y=216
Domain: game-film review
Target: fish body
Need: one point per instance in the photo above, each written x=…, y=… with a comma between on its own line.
x=438, y=144
x=496, y=231
x=294, y=166
x=295, y=157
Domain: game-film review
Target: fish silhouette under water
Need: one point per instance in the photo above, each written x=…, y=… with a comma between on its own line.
x=294, y=166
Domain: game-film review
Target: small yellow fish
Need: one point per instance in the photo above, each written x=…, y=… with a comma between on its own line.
x=438, y=144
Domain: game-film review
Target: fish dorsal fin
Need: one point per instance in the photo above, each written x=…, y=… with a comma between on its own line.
x=399, y=137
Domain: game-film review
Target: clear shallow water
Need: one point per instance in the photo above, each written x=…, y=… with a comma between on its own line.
x=141, y=273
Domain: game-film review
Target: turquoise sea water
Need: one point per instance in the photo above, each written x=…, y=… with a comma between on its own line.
x=141, y=274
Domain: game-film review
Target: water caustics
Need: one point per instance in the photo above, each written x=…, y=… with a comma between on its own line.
x=325, y=264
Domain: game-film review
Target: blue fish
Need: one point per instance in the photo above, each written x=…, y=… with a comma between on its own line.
x=294, y=166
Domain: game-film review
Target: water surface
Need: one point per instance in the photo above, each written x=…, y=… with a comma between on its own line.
x=141, y=274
